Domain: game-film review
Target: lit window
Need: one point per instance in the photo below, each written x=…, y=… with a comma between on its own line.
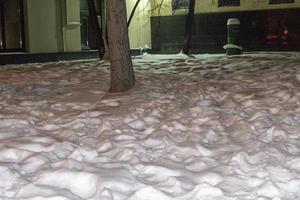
x=180, y=4
x=281, y=1
x=222, y=3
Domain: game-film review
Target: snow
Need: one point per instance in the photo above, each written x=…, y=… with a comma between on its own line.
x=233, y=21
x=206, y=127
x=232, y=46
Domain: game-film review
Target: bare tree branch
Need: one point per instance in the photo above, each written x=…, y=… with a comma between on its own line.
x=133, y=11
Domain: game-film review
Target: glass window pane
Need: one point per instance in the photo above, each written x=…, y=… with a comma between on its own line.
x=83, y=6
x=1, y=36
x=281, y=1
x=222, y=3
x=180, y=4
x=12, y=18
x=97, y=6
x=84, y=30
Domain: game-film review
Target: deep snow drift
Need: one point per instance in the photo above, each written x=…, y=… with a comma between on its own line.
x=210, y=127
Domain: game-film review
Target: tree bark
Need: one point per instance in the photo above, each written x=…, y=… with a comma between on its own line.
x=189, y=28
x=132, y=12
x=122, y=74
x=96, y=27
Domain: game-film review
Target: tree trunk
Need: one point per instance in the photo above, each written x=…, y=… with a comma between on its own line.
x=121, y=71
x=96, y=27
x=132, y=12
x=189, y=28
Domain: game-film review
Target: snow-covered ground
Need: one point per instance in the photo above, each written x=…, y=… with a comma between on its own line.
x=205, y=128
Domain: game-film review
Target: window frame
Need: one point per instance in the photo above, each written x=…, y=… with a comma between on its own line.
x=3, y=47
x=229, y=3
x=275, y=2
x=180, y=5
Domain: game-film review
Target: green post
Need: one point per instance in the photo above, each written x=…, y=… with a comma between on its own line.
x=233, y=33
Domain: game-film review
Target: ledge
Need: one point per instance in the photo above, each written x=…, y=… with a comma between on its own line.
x=21, y=57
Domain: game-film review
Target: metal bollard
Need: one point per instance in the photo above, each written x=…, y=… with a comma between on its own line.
x=233, y=33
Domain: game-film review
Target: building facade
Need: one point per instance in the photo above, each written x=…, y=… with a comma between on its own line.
x=61, y=26
x=36, y=26
x=265, y=24
x=55, y=26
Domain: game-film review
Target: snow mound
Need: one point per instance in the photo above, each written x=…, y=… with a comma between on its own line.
x=206, y=127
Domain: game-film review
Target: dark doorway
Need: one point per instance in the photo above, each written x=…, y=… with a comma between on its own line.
x=11, y=26
x=88, y=35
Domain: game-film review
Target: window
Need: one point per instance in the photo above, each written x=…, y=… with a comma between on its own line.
x=180, y=4
x=223, y=3
x=88, y=36
x=11, y=25
x=281, y=1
